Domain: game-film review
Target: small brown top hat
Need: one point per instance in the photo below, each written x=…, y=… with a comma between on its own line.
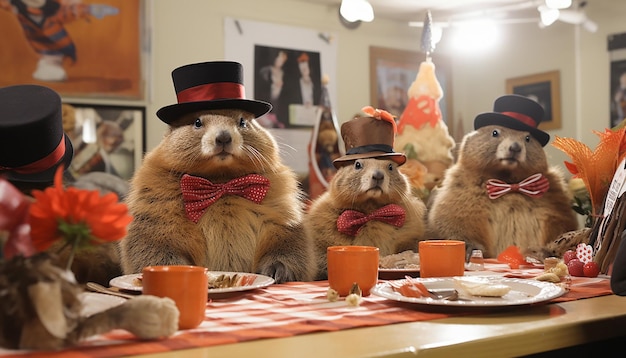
x=32, y=141
x=515, y=112
x=210, y=85
x=368, y=137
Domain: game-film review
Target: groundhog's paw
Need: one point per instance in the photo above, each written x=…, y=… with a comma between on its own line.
x=278, y=271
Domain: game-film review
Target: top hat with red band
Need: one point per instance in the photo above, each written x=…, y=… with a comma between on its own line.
x=515, y=112
x=32, y=141
x=210, y=85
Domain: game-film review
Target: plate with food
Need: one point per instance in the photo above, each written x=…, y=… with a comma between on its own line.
x=396, y=266
x=219, y=282
x=472, y=291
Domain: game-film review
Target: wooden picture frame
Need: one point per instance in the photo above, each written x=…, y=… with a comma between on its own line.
x=393, y=71
x=545, y=89
x=117, y=133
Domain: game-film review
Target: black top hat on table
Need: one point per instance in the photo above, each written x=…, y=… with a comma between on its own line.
x=515, y=112
x=369, y=137
x=32, y=141
x=210, y=85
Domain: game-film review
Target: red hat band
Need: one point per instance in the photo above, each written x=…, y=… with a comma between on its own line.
x=211, y=91
x=522, y=118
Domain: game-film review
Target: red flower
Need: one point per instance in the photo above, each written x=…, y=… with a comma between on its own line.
x=80, y=217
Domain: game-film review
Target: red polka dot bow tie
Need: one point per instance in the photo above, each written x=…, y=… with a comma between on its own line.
x=534, y=186
x=351, y=221
x=200, y=193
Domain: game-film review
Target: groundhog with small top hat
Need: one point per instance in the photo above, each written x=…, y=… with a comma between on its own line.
x=501, y=191
x=215, y=192
x=368, y=201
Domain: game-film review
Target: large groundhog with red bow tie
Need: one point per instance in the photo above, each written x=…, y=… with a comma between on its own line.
x=368, y=201
x=501, y=191
x=214, y=192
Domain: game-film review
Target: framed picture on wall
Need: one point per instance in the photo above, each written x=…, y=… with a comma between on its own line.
x=618, y=92
x=96, y=49
x=106, y=138
x=393, y=71
x=543, y=88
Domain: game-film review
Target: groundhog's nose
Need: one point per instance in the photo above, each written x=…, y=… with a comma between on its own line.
x=223, y=138
x=515, y=147
x=378, y=176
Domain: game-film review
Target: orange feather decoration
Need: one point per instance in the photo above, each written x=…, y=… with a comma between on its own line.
x=596, y=168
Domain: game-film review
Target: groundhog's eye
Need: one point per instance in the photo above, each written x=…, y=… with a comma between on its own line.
x=197, y=123
x=242, y=122
x=527, y=139
x=358, y=165
x=390, y=167
x=495, y=133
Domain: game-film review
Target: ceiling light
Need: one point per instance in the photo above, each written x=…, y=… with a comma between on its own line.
x=356, y=10
x=558, y=4
x=548, y=16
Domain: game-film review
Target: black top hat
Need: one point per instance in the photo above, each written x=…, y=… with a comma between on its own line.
x=368, y=137
x=32, y=141
x=210, y=85
x=515, y=112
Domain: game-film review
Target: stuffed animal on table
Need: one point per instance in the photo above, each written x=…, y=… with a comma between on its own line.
x=215, y=192
x=40, y=308
x=501, y=191
x=369, y=201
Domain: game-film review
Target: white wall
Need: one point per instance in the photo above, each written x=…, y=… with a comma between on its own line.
x=192, y=31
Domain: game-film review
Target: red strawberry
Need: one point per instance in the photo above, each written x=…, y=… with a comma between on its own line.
x=591, y=269
x=575, y=267
x=568, y=255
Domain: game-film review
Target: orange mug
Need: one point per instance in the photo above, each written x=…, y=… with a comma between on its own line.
x=187, y=286
x=441, y=258
x=352, y=264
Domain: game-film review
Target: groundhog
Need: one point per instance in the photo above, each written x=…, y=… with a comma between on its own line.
x=259, y=230
x=506, y=147
x=366, y=183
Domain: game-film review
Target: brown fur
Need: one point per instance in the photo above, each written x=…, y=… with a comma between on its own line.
x=234, y=234
x=462, y=210
x=356, y=189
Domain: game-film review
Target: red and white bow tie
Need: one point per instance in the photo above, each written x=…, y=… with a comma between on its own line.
x=351, y=221
x=200, y=193
x=534, y=186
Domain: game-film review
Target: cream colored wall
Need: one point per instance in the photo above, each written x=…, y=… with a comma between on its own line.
x=192, y=31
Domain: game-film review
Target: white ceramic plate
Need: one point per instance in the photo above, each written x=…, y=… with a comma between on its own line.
x=523, y=292
x=131, y=282
x=97, y=302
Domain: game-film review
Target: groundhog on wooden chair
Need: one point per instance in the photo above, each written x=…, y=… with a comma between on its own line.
x=215, y=192
x=368, y=201
x=501, y=191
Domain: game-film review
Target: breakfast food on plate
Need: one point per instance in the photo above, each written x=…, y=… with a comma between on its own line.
x=481, y=286
x=404, y=260
x=217, y=280
x=225, y=280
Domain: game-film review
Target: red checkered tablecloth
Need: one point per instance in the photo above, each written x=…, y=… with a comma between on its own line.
x=277, y=311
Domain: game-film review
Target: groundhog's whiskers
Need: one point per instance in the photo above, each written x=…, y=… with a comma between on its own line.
x=255, y=157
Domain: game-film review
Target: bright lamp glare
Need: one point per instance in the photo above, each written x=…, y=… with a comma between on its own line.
x=476, y=35
x=558, y=4
x=356, y=10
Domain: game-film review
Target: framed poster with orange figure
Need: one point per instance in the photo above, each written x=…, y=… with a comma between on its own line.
x=79, y=48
